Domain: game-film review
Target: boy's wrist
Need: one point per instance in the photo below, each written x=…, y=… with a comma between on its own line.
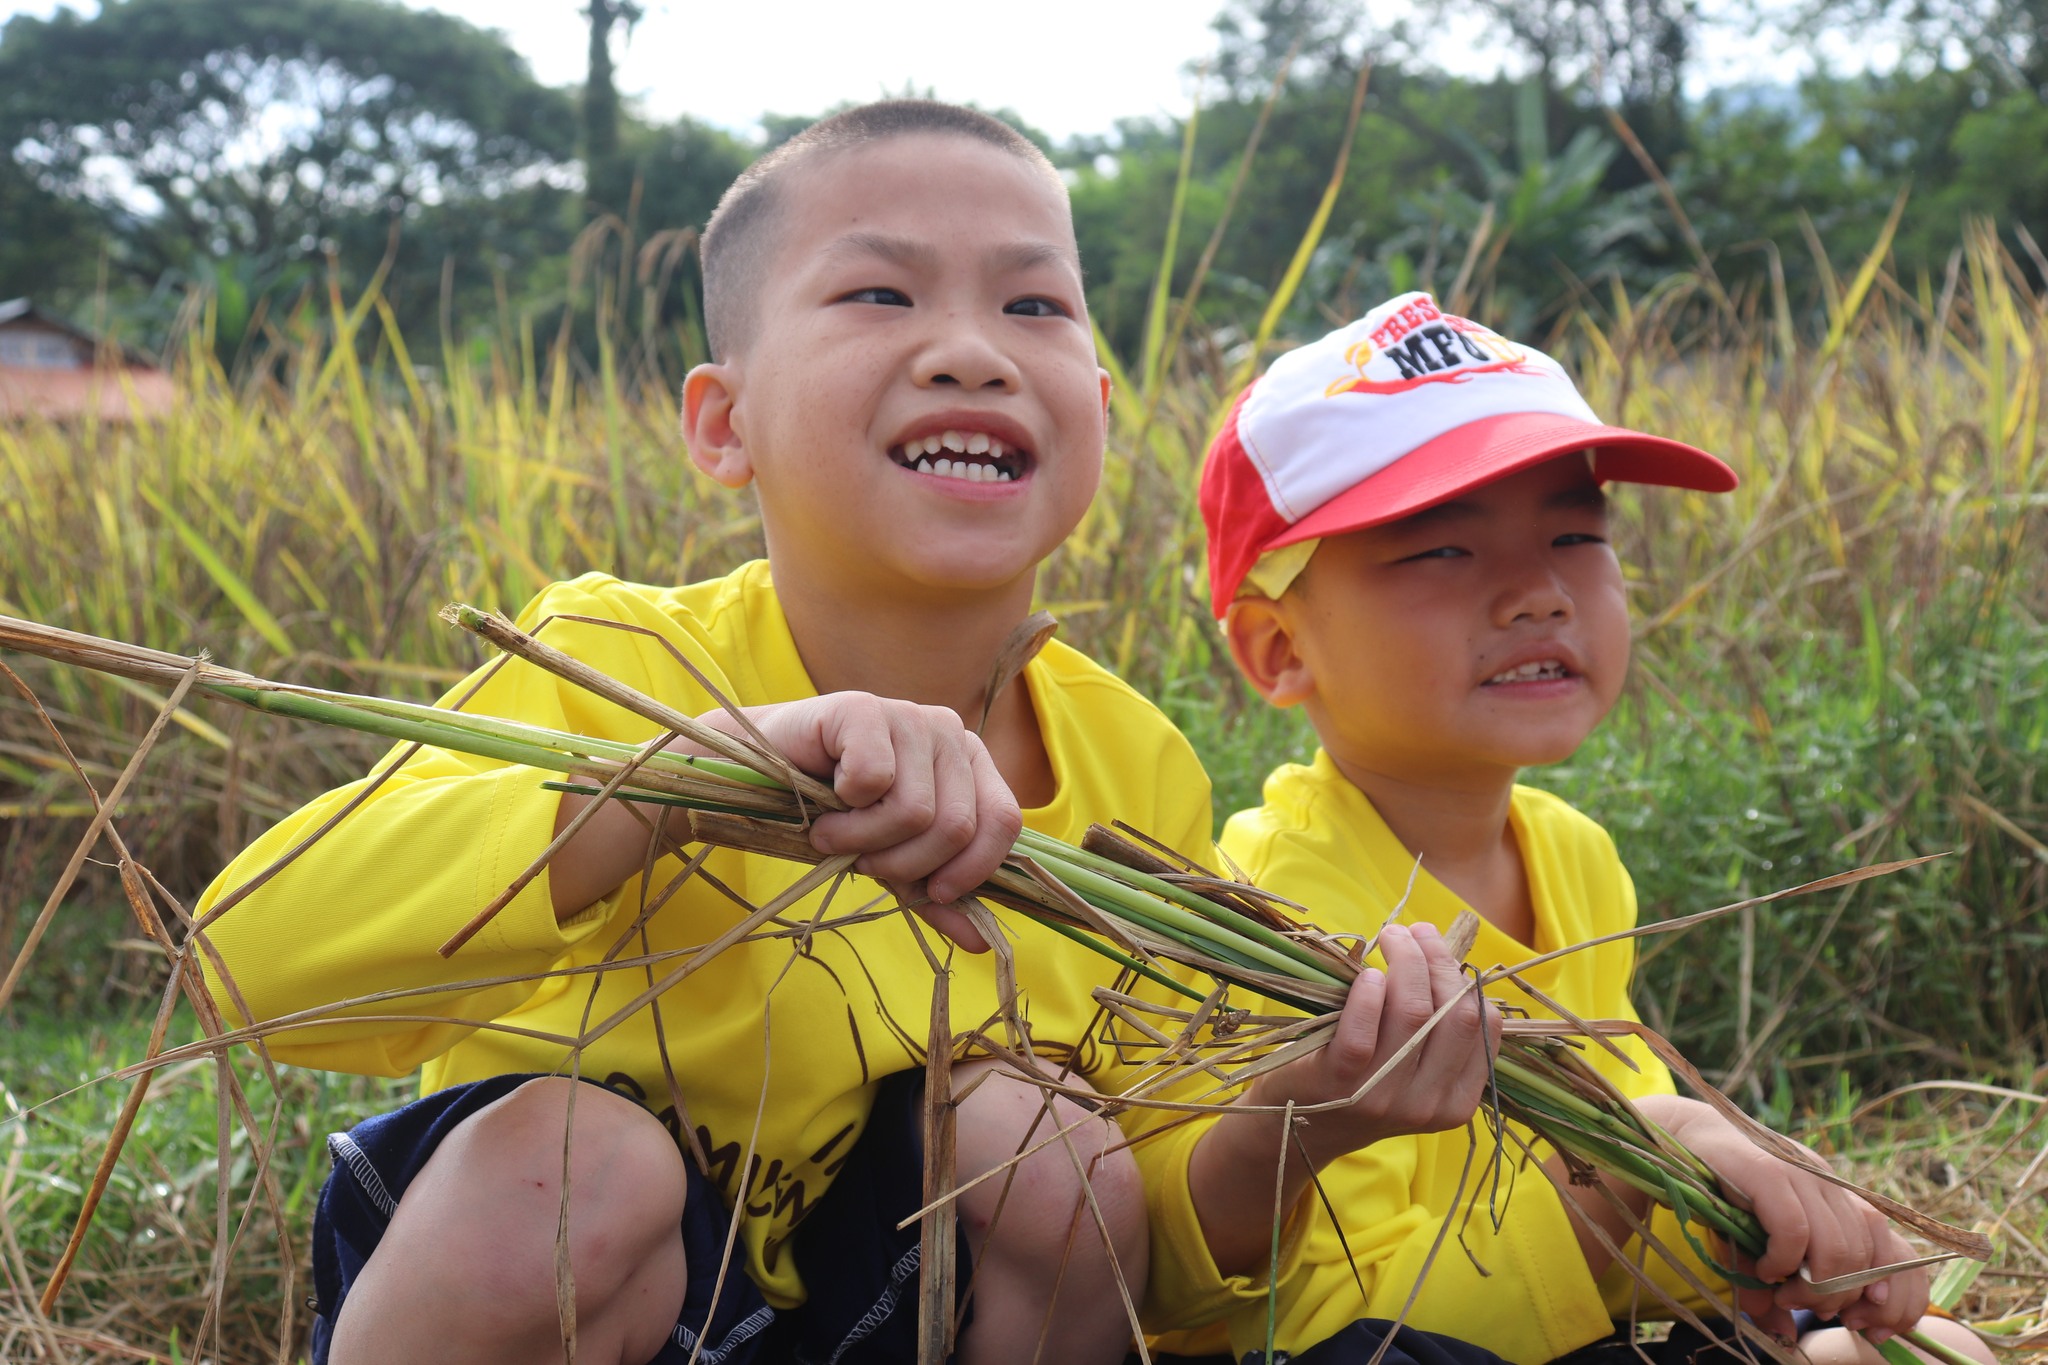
x=1319, y=1137
x=1231, y=1185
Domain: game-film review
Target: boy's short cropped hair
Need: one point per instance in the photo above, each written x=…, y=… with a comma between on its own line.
x=740, y=237
x=1404, y=409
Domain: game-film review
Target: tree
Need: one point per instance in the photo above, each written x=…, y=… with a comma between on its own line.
x=1254, y=37
x=683, y=167
x=49, y=247
x=607, y=176
x=2006, y=40
x=198, y=129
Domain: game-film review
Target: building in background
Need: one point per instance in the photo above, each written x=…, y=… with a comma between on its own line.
x=50, y=368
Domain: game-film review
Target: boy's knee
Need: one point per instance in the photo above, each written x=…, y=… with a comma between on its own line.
x=1840, y=1346
x=1046, y=1199
x=1954, y=1335
x=467, y=1269
x=626, y=1179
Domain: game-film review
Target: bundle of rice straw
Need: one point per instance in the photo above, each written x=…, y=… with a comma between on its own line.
x=1120, y=895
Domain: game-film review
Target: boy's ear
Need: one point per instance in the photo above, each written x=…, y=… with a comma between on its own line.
x=1261, y=636
x=710, y=393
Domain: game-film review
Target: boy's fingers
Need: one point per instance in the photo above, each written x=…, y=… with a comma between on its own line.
x=949, y=920
x=926, y=833
x=1762, y=1307
x=997, y=823
x=1475, y=1061
x=1354, y=1046
x=1410, y=992
x=1897, y=1301
x=1839, y=1244
x=1907, y=1303
x=893, y=814
x=1788, y=1226
x=842, y=738
x=1459, y=1031
x=1780, y=1323
x=1450, y=1066
x=880, y=745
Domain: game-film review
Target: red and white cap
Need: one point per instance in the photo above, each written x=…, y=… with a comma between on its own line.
x=1403, y=409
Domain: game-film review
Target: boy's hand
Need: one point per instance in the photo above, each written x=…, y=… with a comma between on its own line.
x=1436, y=1087
x=930, y=815
x=1810, y=1222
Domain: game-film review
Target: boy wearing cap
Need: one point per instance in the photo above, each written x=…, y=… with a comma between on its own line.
x=1407, y=537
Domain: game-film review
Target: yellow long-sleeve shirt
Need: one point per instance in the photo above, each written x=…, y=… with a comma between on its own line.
x=1524, y=1291
x=364, y=909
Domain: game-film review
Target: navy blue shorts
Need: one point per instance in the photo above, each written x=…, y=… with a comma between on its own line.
x=860, y=1270
x=1356, y=1344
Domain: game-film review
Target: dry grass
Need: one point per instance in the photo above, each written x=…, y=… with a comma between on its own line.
x=1886, y=549
x=1142, y=908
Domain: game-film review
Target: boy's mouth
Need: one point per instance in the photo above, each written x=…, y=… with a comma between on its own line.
x=967, y=455
x=1540, y=670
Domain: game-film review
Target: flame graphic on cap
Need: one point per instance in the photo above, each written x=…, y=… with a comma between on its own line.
x=1455, y=376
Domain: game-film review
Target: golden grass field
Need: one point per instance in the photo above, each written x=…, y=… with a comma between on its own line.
x=1843, y=662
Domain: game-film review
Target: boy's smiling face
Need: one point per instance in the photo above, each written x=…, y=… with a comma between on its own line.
x=1460, y=644
x=918, y=400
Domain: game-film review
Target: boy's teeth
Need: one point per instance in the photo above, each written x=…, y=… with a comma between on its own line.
x=971, y=471
x=917, y=453
x=1545, y=668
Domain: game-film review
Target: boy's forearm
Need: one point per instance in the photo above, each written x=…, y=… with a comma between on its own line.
x=1600, y=1212
x=610, y=848
x=612, y=844
x=1669, y=1112
x=1230, y=1179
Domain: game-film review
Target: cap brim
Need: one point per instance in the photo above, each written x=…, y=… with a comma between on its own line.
x=1492, y=448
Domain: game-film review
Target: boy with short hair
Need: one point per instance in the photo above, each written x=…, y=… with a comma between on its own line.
x=906, y=373
x=1408, y=538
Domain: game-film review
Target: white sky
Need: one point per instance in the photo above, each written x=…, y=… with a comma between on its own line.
x=1067, y=66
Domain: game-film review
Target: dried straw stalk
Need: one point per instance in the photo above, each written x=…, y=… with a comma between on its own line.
x=1130, y=900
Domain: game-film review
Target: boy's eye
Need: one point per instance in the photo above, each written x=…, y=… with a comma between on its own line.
x=1037, y=306
x=889, y=298
x=1440, y=552
x=1580, y=538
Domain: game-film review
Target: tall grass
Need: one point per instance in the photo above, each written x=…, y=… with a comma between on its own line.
x=1842, y=662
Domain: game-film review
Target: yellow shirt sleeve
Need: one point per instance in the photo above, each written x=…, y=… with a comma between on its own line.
x=364, y=908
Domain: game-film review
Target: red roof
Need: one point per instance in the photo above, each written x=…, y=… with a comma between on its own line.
x=52, y=369
x=61, y=394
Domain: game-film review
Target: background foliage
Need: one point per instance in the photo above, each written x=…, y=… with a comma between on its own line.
x=164, y=145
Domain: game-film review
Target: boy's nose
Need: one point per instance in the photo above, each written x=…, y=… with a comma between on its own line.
x=1536, y=593
x=960, y=354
